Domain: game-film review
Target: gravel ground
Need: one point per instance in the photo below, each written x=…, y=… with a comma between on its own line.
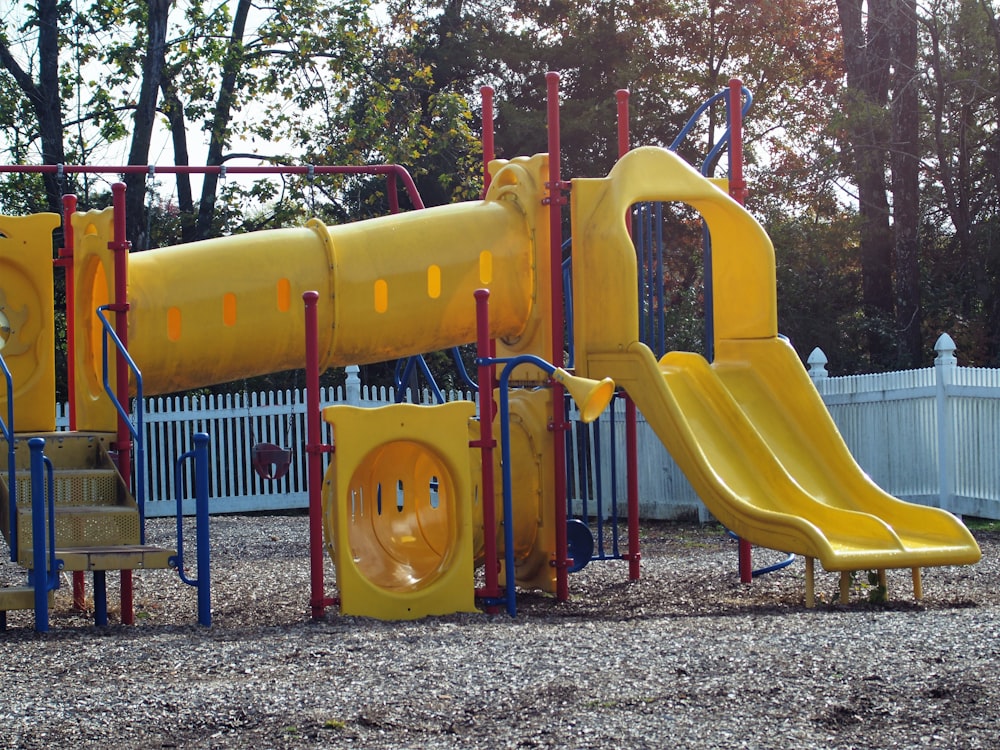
x=686, y=657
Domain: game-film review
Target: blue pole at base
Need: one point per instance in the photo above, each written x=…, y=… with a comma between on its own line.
x=201, y=533
x=100, y=598
x=39, y=575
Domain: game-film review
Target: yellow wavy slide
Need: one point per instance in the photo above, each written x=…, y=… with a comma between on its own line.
x=749, y=431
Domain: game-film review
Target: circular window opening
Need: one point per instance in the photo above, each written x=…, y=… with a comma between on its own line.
x=402, y=524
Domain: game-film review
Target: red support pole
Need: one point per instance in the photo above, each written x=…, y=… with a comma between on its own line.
x=123, y=440
x=621, y=98
x=65, y=261
x=556, y=200
x=486, y=445
x=314, y=450
x=737, y=183
x=738, y=191
x=489, y=152
x=631, y=441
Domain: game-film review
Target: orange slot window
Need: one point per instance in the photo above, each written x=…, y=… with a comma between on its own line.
x=434, y=282
x=381, y=296
x=229, y=309
x=174, y=323
x=485, y=267
x=284, y=295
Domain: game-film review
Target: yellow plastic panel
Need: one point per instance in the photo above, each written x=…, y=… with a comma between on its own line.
x=397, y=510
x=238, y=302
x=27, y=328
x=604, y=263
x=94, y=283
x=532, y=490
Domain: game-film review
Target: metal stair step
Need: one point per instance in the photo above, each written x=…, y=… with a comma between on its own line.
x=20, y=597
x=75, y=486
x=116, y=557
x=83, y=526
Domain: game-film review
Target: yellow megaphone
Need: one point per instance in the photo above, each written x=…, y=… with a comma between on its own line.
x=592, y=396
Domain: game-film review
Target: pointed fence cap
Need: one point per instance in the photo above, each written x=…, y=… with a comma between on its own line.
x=817, y=364
x=945, y=348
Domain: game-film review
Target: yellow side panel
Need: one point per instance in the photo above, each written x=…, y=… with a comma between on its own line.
x=605, y=292
x=397, y=506
x=27, y=327
x=94, y=283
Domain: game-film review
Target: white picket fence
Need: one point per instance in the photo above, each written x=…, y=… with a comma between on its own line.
x=930, y=436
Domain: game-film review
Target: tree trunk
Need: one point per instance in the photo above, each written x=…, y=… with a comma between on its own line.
x=221, y=118
x=145, y=118
x=173, y=108
x=866, y=58
x=44, y=95
x=905, y=162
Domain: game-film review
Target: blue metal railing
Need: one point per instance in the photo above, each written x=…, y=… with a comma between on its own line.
x=713, y=154
x=135, y=430
x=204, y=581
x=8, y=433
x=45, y=575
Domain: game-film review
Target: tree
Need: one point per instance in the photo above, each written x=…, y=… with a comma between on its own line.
x=867, y=52
x=905, y=168
x=42, y=93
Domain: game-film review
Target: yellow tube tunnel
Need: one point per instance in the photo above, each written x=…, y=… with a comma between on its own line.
x=224, y=309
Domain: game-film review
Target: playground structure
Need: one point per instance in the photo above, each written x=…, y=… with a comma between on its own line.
x=408, y=505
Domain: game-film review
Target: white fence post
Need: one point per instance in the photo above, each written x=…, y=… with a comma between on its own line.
x=352, y=386
x=817, y=364
x=944, y=375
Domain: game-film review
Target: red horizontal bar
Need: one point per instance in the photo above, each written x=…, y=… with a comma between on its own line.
x=375, y=169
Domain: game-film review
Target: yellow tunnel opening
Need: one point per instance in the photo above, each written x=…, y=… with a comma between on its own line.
x=402, y=523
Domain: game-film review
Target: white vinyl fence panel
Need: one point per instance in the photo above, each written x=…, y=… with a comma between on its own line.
x=930, y=436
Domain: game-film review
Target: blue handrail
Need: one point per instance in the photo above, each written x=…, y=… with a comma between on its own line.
x=45, y=575
x=204, y=581
x=724, y=140
x=136, y=430
x=8, y=433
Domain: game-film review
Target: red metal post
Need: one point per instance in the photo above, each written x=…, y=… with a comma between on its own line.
x=631, y=442
x=738, y=191
x=621, y=98
x=556, y=200
x=737, y=183
x=486, y=445
x=314, y=450
x=123, y=440
x=489, y=152
x=65, y=261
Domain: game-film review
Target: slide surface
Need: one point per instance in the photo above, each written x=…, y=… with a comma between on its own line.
x=768, y=482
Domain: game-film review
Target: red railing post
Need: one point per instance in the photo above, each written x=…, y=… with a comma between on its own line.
x=738, y=192
x=556, y=199
x=65, y=261
x=123, y=441
x=486, y=445
x=318, y=601
x=631, y=441
x=489, y=152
